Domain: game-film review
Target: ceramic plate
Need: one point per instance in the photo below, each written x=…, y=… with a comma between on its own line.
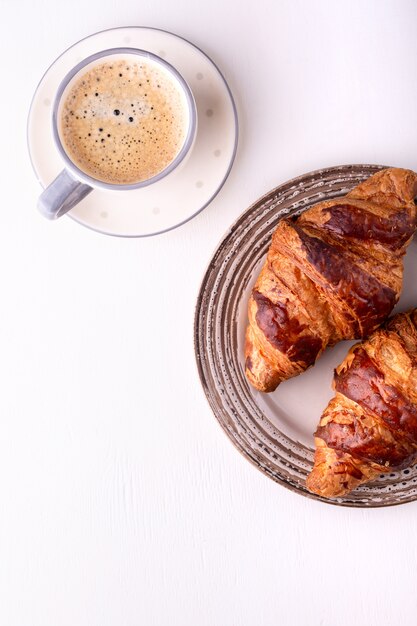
x=275, y=431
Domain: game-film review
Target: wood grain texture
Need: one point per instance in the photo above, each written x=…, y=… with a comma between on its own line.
x=121, y=501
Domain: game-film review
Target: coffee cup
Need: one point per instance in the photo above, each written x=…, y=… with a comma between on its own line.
x=122, y=119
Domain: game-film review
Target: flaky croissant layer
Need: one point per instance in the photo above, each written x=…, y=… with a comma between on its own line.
x=333, y=273
x=370, y=426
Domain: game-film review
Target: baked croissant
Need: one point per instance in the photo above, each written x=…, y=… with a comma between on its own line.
x=333, y=273
x=370, y=426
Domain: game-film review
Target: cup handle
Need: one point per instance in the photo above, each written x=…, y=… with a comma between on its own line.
x=62, y=195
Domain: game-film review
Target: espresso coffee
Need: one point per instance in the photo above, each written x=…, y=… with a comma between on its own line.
x=123, y=121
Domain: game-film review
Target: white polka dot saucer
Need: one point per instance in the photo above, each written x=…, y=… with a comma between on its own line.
x=183, y=193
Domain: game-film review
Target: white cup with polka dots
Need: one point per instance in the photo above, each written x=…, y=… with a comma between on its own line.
x=122, y=119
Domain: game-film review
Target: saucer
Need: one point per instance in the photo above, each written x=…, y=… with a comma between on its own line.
x=182, y=194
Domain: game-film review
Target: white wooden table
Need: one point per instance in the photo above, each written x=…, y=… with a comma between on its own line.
x=122, y=503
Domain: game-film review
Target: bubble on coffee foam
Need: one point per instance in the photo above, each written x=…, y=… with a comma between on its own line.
x=102, y=107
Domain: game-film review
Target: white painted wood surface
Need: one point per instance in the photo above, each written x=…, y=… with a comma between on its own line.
x=121, y=501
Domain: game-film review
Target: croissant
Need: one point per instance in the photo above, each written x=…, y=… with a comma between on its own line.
x=370, y=426
x=333, y=273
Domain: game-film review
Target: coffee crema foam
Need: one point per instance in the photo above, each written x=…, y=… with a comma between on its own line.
x=123, y=121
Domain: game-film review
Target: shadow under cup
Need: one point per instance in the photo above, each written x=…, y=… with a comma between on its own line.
x=74, y=182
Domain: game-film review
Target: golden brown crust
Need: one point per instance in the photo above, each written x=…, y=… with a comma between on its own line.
x=334, y=273
x=370, y=426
